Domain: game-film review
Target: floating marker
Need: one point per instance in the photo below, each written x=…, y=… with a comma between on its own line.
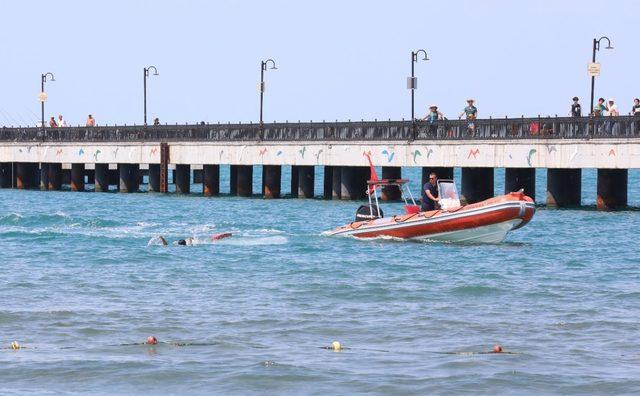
x=336, y=346
x=15, y=345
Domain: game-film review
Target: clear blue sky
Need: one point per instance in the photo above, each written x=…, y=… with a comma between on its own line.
x=337, y=59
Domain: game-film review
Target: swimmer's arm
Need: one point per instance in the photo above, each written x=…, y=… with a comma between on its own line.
x=164, y=241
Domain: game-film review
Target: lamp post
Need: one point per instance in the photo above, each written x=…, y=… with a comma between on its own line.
x=43, y=95
x=596, y=47
x=263, y=68
x=145, y=75
x=412, y=82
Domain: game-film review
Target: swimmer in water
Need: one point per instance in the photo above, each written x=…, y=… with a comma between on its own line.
x=186, y=242
x=152, y=340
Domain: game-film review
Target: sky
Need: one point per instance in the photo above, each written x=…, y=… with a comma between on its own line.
x=337, y=60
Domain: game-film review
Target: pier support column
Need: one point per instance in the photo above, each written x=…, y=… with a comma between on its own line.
x=564, y=187
x=271, y=181
x=233, y=179
x=245, y=180
x=517, y=178
x=327, y=185
x=26, y=175
x=306, y=181
x=154, y=178
x=441, y=172
x=295, y=182
x=391, y=193
x=54, y=177
x=77, y=177
x=129, y=177
x=353, y=182
x=211, y=180
x=477, y=184
x=612, y=189
x=44, y=176
x=183, y=179
x=336, y=182
x=101, y=177
x=6, y=175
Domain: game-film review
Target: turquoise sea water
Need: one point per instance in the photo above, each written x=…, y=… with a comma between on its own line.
x=80, y=286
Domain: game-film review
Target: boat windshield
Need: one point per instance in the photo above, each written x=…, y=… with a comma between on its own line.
x=448, y=194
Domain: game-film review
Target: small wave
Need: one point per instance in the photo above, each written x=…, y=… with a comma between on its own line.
x=476, y=290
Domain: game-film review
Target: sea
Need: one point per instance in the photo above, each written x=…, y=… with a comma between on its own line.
x=84, y=281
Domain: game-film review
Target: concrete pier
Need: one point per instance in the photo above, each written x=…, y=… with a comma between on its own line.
x=233, y=179
x=327, y=182
x=564, y=187
x=6, y=175
x=101, y=177
x=77, y=177
x=211, y=180
x=244, y=186
x=183, y=179
x=336, y=182
x=477, y=184
x=271, y=181
x=54, y=177
x=612, y=189
x=129, y=177
x=306, y=181
x=391, y=193
x=441, y=172
x=353, y=181
x=26, y=174
x=44, y=176
x=517, y=178
x=154, y=178
x=295, y=182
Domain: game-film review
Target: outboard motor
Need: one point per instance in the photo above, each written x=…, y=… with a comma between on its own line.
x=366, y=212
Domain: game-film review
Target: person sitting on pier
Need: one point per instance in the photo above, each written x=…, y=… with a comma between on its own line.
x=430, y=193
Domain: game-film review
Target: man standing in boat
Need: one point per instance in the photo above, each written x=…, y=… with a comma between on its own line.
x=430, y=193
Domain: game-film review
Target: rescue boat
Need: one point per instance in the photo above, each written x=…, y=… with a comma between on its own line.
x=488, y=221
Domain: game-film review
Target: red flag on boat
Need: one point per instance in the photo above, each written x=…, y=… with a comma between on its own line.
x=373, y=175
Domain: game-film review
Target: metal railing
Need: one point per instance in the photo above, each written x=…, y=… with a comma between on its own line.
x=485, y=129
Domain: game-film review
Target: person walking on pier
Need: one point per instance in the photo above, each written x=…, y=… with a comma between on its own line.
x=471, y=113
x=430, y=193
x=91, y=121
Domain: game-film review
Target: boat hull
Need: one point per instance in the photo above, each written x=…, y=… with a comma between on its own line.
x=486, y=222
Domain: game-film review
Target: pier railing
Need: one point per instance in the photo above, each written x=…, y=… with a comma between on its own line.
x=485, y=129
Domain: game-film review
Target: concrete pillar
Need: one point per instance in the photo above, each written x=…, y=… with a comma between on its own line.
x=336, y=182
x=102, y=177
x=26, y=175
x=54, y=177
x=517, y=178
x=327, y=185
x=612, y=189
x=271, y=181
x=77, y=177
x=233, y=179
x=391, y=193
x=91, y=176
x=295, y=182
x=154, y=177
x=183, y=179
x=6, y=175
x=564, y=187
x=477, y=184
x=306, y=181
x=211, y=180
x=44, y=176
x=353, y=180
x=441, y=172
x=129, y=177
x=245, y=180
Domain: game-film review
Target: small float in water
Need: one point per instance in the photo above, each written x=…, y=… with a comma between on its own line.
x=488, y=221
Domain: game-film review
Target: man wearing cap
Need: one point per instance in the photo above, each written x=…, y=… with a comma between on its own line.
x=471, y=113
x=433, y=116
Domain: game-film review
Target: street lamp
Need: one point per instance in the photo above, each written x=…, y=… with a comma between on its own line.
x=43, y=95
x=145, y=75
x=596, y=47
x=263, y=68
x=412, y=82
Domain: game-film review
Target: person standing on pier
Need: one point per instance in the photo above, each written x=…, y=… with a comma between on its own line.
x=471, y=113
x=91, y=121
x=576, y=109
x=600, y=109
x=635, y=109
x=61, y=122
x=433, y=116
x=52, y=123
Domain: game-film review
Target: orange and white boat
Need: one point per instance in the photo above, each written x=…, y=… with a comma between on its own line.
x=488, y=221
